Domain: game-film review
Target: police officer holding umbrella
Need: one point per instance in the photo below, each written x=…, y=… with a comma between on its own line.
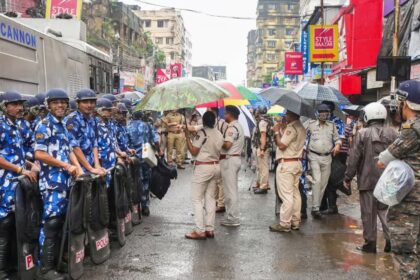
x=54, y=150
x=12, y=164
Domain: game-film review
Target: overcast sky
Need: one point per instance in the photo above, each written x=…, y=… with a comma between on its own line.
x=216, y=41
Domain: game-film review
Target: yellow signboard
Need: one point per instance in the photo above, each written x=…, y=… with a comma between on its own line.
x=62, y=7
x=323, y=43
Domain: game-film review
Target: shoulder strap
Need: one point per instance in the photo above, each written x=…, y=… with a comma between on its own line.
x=205, y=135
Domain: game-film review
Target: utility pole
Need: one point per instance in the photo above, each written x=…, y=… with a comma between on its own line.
x=395, y=41
x=322, y=23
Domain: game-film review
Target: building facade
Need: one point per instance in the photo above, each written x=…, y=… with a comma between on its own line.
x=212, y=73
x=167, y=30
x=278, y=24
x=251, y=58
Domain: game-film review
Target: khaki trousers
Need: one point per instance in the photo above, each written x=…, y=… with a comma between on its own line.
x=203, y=196
x=320, y=170
x=370, y=210
x=230, y=172
x=177, y=141
x=220, y=193
x=263, y=169
x=287, y=177
x=163, y=143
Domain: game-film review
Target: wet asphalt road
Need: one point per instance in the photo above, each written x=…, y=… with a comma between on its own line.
x=323, y=249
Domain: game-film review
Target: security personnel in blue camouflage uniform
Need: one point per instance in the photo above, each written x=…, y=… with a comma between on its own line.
x=139, y=133
x=53, y=149
x=404, y=218
x=121, y=128
x=81, y=124
x=12, y=164
x=39, y=110
x=106, y=138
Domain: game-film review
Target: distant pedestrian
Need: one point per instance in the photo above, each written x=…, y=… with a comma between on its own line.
x=368, y=143
x=206, y=147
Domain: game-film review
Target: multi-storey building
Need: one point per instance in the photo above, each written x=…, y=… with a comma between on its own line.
x=251, y=58
x=188, y=55
x=213, y=73
x=277, y=29
x=167, y=30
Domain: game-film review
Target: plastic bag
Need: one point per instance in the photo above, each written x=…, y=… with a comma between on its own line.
x=395, y=183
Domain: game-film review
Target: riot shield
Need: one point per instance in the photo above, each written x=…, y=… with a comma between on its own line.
x=74, y=229
x=121, y=202
x=136, y=187
x=28, y=214
x=128, y=217
x=97, y=216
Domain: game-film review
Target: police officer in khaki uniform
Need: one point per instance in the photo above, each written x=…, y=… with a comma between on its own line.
x=175, y=123
x=290, y=142
x=206, y=146
x=322, y=140
x=261, y=143
x=234, y=141
x=162, y=130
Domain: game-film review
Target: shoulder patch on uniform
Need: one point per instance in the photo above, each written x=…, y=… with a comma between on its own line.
x=407, y=125
x=39, y=136
x=230, y=133
x=70, y=126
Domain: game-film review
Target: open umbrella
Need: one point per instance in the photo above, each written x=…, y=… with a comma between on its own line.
x=272, y=94
x=181, y=93
x=247, y=94
x=276, y=110
x=320, y=93
x=234, y=99
x=294, y=103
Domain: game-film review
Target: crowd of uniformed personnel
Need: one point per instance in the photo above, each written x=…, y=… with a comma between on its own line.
x=52, y=139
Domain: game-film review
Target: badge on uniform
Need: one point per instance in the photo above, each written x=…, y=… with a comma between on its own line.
x=288, y=132
x=39, y=136
x=230, y=133
x=69, y=126
x=197, y=137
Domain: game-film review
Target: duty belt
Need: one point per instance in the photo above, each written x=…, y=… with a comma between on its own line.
x=205, y=162
x=320, y=154
x=175, y=132
x=226, y=156
x=163, y=133
x=289, y=159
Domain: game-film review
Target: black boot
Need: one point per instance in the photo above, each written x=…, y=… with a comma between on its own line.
x=387, y=248
x=316, y=215
x=50, y=250
x=368, y=247
x=6, y=226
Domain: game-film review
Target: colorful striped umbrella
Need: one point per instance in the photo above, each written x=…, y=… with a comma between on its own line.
x=235, y=98
x=247, y=94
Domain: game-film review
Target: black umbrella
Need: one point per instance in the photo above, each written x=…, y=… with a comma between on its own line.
x=353, y=110
x=294, y=103
x=320, y=93
x=272, y=94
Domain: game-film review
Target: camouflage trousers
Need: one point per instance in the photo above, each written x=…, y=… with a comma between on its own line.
x=404, y=225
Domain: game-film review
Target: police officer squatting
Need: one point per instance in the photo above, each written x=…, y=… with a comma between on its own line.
x=79, y=172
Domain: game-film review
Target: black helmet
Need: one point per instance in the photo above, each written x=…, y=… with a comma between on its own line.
x=137, y=115
x=56, y=94
x=11, y=97
x=103, y=103
x=85, y=94
x=41, y=97
x=32, y=102
x=73, y=104
x=262, y=110
x=323, y=108
x=110, y=97
x=411, y=90
x=127, y=103
x=122, y=108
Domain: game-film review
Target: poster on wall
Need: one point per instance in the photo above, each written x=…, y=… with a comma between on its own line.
x=61, y=7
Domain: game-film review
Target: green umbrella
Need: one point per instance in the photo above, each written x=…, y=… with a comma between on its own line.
x=181, y=93
x=247, y=94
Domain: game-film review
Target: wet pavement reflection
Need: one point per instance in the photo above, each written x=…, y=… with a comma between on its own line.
x=323, y=249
